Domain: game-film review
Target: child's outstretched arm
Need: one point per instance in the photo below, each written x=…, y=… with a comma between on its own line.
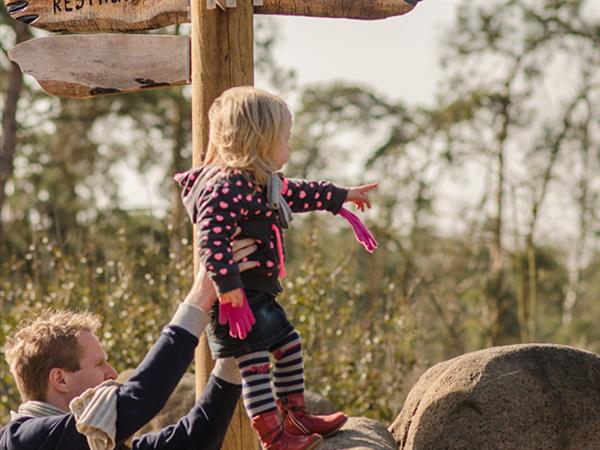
x=305, y=196
x=360, y=195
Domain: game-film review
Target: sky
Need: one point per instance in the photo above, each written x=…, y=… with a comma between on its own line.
x=398, y=57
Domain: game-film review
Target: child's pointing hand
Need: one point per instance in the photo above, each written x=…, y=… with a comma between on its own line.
x=360, y=195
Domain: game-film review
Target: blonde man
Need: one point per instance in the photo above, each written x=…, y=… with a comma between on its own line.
x=70, y=398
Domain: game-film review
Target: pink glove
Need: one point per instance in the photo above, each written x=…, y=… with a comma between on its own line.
x=240, y=319
x=362, y=233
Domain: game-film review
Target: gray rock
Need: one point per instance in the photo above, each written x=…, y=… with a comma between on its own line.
x=360, y=433
x=524, y=397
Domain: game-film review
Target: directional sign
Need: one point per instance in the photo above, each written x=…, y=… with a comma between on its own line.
x=337, y=9
x=133, y=15
x=99, y=15
x=83, y=66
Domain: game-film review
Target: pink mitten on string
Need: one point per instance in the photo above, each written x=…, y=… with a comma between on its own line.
x=362, y=233
x=240, y=319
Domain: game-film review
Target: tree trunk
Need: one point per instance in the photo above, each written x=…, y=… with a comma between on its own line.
x=8, y=140
x=495, y=282
x=531, y=285
x=178, y=216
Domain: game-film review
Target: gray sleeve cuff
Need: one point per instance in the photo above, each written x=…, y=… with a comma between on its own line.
x=190, y=318
x=227, y=370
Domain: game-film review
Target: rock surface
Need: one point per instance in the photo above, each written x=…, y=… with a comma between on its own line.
x=524, y=397
x=360, y=433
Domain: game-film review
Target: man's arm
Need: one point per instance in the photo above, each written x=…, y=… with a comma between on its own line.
x=153, y=382
x=147, y=389
x=204, y=427
x=138, y=400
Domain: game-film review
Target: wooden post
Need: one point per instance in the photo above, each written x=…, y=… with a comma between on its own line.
x=222, y=57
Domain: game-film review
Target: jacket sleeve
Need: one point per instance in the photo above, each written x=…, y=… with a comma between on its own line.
x=220, y=210
x=204, y=427
x=304, y=196
x=138, y=400
x=154, y=380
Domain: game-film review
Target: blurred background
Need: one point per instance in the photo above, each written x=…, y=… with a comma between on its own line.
x=480, y=120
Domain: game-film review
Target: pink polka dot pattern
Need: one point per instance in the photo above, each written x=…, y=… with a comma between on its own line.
x=232, y=200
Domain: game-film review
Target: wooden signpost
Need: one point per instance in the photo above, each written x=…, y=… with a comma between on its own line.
x=101, y=64
x=98, y=15
x=221, y=49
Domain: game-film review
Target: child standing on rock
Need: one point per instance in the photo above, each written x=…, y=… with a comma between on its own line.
x=239, y=187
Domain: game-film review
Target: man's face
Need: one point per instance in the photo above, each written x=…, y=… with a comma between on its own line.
x=93, y=366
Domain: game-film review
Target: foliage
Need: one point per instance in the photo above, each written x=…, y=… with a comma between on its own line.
x=133, y=284
x=487, y=211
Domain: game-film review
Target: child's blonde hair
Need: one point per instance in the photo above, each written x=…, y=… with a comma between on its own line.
x=245, y=127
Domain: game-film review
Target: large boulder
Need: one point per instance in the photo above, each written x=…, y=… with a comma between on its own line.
x=524, y=397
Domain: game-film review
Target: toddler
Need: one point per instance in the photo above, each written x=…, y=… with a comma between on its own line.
x=239, y=187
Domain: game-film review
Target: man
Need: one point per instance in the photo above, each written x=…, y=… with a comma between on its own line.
x=70, y=398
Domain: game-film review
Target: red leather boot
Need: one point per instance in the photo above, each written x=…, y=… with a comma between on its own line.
x=273, y=436
x=297, y=419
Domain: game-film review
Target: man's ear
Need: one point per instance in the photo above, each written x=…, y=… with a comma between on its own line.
x=57, y=380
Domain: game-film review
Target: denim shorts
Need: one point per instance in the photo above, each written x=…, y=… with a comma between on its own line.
x=270, y=328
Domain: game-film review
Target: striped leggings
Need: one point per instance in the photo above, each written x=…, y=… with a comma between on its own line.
x=288, y=374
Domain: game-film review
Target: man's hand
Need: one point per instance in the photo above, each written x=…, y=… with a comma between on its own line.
x=202, y=294
x=360, y=195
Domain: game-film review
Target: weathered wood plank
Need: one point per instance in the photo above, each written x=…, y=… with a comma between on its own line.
x=337, y=9
x=133, y=15
x=83, y=66
x=99, y=15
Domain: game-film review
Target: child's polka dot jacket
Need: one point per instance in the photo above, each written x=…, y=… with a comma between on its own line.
x=219, y=201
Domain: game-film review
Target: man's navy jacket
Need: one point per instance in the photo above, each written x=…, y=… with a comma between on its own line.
x=140, y=399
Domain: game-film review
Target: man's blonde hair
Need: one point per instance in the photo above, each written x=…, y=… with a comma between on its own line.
x=245, y=128
x=46, y=342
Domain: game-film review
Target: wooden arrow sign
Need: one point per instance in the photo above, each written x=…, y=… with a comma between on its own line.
x=83, y=66
x=337, y=9
x=132, y=15
x=99, y=15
